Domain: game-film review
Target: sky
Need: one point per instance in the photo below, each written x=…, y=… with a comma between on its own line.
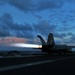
x=22, y=20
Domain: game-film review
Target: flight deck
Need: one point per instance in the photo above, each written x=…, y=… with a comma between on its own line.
x=38, y=65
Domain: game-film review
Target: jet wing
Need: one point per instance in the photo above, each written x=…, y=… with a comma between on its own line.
x=71, y=46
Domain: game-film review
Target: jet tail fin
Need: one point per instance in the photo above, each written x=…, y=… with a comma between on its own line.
x=42, y=40
x=50, y=40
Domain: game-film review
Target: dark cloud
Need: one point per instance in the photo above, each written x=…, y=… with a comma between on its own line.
x=9, y=28
x=71, y=1
x=4, y=29
x=66, y=28
x=6, y=19
x=32, y=5
x=2, y=2
x=24, y=34
x=29, y=5
x=44, y=27
x=72, y=38
x=4, y=33
x=39, y=17
x=49, y=4
x=60, y=35
x=24, y=5
x=67, y=38
x=21, y=27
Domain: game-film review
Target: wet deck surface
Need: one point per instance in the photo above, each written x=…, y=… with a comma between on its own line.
x=39, y=65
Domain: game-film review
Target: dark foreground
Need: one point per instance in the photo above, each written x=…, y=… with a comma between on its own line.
x=61, y=65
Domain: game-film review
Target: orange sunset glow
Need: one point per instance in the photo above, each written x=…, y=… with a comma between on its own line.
x=13, y=40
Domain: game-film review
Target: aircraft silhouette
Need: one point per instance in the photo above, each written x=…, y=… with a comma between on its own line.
x=50, y=46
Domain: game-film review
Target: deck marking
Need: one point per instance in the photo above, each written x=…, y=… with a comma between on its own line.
x=30, y=64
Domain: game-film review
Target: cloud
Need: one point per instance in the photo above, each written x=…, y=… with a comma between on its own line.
x=60, y=35
x=24, y=5
x=44, y=27
x=4, y=29
x=72, y=38
x=64, y=17
x=12, y=40
x=9, y=28
x=2, y=2
x=49, y=4
x=70, y=0
x=66, y=38
x=32, y=5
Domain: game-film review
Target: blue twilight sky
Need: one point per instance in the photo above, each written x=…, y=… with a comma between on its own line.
x=27, y=18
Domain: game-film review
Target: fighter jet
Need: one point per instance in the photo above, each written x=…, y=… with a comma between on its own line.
x=50, y=46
